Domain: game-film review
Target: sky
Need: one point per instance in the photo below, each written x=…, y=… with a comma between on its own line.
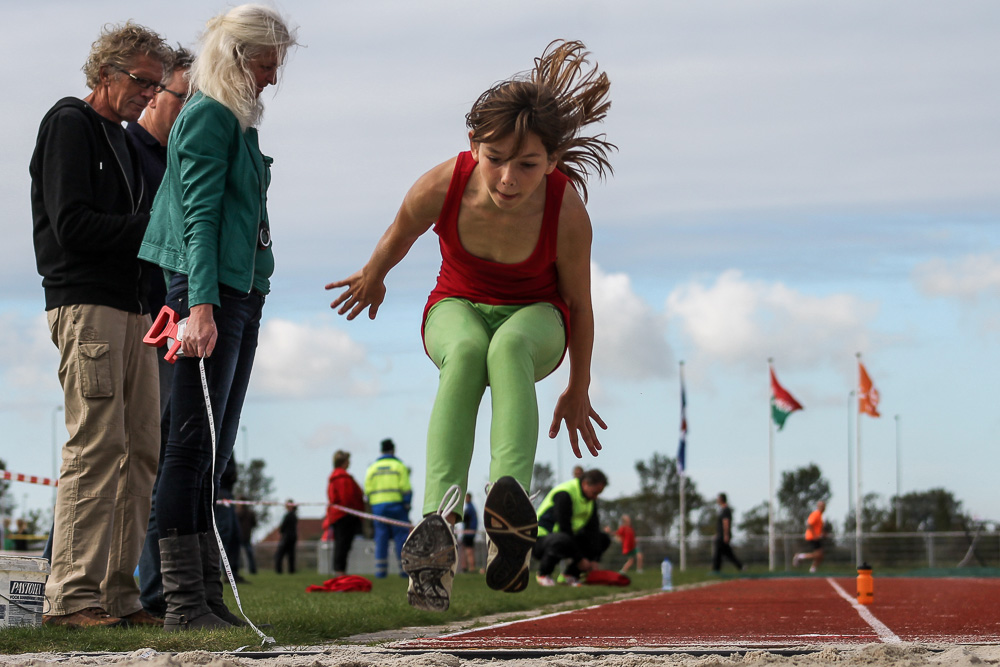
x=800, y=181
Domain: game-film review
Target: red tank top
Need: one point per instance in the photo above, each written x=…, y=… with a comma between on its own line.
x=466, y=276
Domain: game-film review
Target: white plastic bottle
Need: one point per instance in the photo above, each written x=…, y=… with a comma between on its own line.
x=668, y=575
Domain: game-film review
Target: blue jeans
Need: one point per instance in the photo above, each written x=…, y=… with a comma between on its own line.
x=186, y=491
x=384, y=531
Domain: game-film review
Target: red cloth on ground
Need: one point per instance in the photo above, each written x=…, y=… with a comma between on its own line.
x=607, y=578
x=344, y=584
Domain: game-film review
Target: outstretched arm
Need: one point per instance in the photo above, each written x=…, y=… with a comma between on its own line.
x=573, y=265
x=421, y=207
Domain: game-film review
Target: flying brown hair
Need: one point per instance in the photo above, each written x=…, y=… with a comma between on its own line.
x=554, y=101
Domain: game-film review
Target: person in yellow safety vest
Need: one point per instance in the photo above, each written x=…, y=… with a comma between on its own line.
x=387, y=488
x=568, y=528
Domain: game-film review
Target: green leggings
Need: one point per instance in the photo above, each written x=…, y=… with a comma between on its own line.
x=474, y=345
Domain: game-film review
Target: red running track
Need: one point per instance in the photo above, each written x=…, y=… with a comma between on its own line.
x=759, y=613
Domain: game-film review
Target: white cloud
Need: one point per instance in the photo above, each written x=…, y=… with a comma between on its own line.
x=630, y=337
x=964, y=278
x=301, y=360
x=736, y=320
x=28, y=360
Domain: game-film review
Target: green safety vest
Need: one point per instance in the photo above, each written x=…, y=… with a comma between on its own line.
x=583, y=508
x=387, y=481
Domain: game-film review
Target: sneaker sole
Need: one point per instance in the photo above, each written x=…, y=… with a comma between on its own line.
x=430, y=558
x=512, y=527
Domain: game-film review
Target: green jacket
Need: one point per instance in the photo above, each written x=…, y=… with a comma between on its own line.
x=211, y=204
x=565, y=517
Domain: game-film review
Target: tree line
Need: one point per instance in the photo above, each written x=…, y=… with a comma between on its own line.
x=655, y=509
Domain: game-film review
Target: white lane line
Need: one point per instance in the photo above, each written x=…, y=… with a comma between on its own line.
x=884, y=633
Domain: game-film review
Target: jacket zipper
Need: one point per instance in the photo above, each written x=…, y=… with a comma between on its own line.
x=132, y=201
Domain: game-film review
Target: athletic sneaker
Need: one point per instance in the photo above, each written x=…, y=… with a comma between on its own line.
x=812, y=569
x=430, y=557
x=568, y=580
x=511, y=531
x=545, y=580
x=795, y=559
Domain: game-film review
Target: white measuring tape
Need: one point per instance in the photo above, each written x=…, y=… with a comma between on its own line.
x=218, y=538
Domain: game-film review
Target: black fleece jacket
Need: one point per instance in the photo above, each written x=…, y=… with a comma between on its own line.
x=88, y=222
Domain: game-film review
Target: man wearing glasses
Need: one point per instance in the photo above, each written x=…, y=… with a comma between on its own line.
x=90, y=212
x=149, y=137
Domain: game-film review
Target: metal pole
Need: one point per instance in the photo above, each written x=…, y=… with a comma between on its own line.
x=246, y=446
x=55, y=449
x=899, y=480
x=770, y=487
x=850, y=454
x=857, y=481
x=683, y=528
x=683, y=543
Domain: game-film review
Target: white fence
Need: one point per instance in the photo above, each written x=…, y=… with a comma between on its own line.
x=896, y=550
x=880, y=550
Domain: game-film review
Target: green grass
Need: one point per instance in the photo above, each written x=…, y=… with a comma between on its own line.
x=298, y=618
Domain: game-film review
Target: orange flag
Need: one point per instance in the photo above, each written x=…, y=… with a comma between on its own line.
x=867, y=393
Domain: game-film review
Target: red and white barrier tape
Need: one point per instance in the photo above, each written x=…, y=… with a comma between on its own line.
x=363, y=515
x=30, y=479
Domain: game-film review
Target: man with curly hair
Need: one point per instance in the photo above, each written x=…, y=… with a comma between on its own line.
x=89, y=215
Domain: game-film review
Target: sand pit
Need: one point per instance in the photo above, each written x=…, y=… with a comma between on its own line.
x=911, y=655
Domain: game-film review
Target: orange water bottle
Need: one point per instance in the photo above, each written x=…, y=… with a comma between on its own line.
x=866, y=585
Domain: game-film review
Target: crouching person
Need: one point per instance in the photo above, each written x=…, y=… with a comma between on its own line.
x=568, y=529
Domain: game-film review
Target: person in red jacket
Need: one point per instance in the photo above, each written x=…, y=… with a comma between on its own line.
x=342, y=491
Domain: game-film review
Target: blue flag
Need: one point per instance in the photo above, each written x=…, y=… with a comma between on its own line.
x=682, y=446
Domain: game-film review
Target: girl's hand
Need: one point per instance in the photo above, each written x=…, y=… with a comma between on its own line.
x=361, y=293
x=575, y=409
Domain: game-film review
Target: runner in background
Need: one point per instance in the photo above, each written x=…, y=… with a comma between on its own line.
x=814, y=536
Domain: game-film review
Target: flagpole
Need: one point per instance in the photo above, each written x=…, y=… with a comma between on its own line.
x=683, y=542
x=857, y=479
x=850, y=453
x=770, y=484
x=899, y=482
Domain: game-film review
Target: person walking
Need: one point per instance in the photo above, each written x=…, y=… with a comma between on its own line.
x=210, y=231
x=724, y=536
x=387, y=487
x=342, y=491
x=289, y=531
x=814, y=537
x=512, y=299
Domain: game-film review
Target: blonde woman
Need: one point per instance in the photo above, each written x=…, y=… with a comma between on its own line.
x=210, y=232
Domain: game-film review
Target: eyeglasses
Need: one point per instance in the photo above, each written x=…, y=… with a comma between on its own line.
x=180, y=96
x=142, y=82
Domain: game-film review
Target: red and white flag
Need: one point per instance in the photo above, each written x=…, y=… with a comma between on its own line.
x=867, y=393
